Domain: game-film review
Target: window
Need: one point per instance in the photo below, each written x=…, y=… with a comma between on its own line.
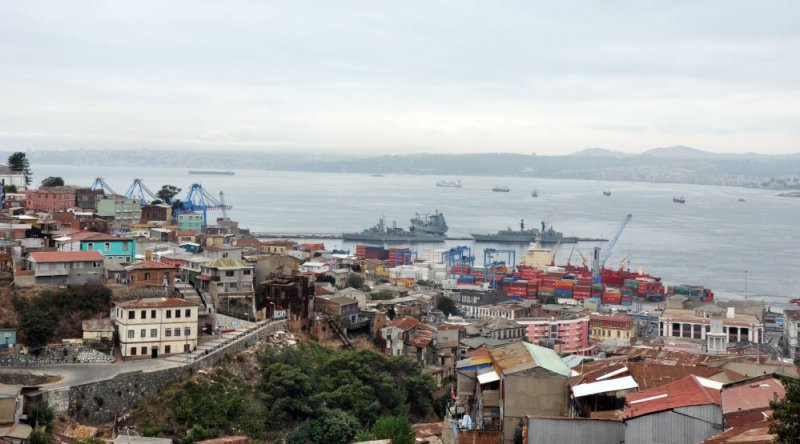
x=177, y=313
x=107, y=246
x=130, y=334
x=177, y=331
x=90, y=246
x=229, y=274
x=124, y=245
x=152, y=314
x=147, y=276
x=224, y=255
x=143, y=333
x=144, y=314
x=169, y=314
x=144, y=350
x=187, y=331
x=188, y=313
x=246, y=272
x=167, y=349
x=167, y=332
x=95, y=264
x=153, y=332
x=131, y=314
x=133, y=351
x=234, y=285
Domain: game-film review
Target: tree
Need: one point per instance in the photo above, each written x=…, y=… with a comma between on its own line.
x=334, y=426
x=40, y=436
x=53, y=181
x=447, y=306
x=167, y=192
x=396, y=428
x=786, y=413
x=10, y=188
x=18, y=162
x=38, y=325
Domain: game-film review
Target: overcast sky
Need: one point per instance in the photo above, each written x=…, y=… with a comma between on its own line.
x=401, y=77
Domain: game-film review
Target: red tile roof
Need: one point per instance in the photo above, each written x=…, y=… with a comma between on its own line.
x=682, y=393
x=66, y=256
x=155, y=303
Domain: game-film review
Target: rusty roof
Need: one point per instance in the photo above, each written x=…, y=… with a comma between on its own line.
x=689, y=391
x=150, y=265
x=404, y=323
x=751, y=394
x=155, y=303
x=66, y=256
x=755, y=433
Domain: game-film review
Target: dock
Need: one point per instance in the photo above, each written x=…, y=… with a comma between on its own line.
x=264, y=235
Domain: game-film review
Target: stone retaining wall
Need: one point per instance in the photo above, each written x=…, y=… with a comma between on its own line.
x=103, y=401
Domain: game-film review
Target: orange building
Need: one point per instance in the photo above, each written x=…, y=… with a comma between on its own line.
x=50, y=199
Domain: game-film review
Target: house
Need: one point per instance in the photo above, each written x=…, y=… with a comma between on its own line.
x=151, y=273
x=160, y=213
x=222, y=252
x=406, y=336
x=568, y=334
x=277, y=246
x=747, y=401
x=65, y=267
x=314, y=267
x=154, y=327
x=500, y=328
x=183, y=236
x=11, y=408
x=227, y=279
x=354, y=293
x=8, y=337
x=687, y=410
x=112, y=247
x=10, y=177
x=190, y=221
x=791, y=332
x=119, y=211
x=97, y=329
x=342, y=307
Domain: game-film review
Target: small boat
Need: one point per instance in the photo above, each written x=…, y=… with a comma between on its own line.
x=212, y=172
x=534, y=193
x=606, y=193
x=679, y=199
x=449, y=183
x=741, y=199
x=501, y=189
x=376, y=175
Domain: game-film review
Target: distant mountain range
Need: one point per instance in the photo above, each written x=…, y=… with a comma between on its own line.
x=677, y=164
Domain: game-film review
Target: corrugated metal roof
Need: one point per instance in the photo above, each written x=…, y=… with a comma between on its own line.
x=65, y=256
x=752, y=394
x=685, y=392
x=611, y=385
x=548, y=359
x=488, y=376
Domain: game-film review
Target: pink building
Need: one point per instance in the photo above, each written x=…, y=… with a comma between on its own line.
x=569, y=334
x=50, y=199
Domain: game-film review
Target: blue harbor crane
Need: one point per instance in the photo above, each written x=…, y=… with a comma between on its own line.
x=100, y=184
x=491, y=264
x=461, y=255
x=598, y=259
x=200, y=200
x=139, y=192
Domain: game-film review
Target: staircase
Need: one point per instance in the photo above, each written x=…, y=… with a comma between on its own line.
x=339, y=332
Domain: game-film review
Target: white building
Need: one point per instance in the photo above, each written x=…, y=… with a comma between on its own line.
x=791, y=329
x=696, y=323
x=315, y=267
x=154, y=327
x=12, y=178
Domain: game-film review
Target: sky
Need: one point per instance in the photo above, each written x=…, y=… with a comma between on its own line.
x=401, y=77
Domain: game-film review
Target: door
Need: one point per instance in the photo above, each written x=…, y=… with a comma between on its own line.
x=154, y=352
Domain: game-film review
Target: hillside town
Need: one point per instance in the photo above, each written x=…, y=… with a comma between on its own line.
x=526, y=352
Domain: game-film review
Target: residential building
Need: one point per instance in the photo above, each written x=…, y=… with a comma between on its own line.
x=285, y=297
x=190, y=221
x=314, y=267
x=11, y=411
x=50, y=199
x=112, y=247
x=222, y=252
x=342, y=307
x=277, y=246
x=10, y=177
x=406, y=336
x=183, y=236
x=151, y=273
x=154, y=327
x=122, y=213
x=791, y=332
x=501, y=328
x=616, y=329
x=354, y=293
x=158, y=213
x=86, y=198
x=65, y=267
x=226, y=279
x=506, y=310
x=569, y=334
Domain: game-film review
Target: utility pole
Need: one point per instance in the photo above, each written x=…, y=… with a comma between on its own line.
x=745, y=284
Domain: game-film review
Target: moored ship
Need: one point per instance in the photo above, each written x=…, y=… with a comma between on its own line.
x=501, y=189
x=424, y=228
x=521, y=236
x=449, y=183
x=679, y=199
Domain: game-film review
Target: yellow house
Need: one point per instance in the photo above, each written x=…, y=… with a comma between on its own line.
x=611, y=327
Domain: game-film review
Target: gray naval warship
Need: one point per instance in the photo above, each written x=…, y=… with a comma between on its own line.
x=547, y=235
x=424, y=228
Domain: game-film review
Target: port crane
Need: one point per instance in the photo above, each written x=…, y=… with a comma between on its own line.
x=139, y=192
x=599, y=260
x=199, y=200
x=100, y=184
x=491, y=265
x=461, y=256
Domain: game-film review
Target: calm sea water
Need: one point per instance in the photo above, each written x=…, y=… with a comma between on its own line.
x=712, y=240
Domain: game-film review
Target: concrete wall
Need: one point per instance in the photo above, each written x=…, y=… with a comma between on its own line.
x=575, y=430
x=102, y=401
x=532, y=394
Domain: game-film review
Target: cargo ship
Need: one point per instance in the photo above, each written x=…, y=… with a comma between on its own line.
x=424, y=228
x=212, y=172
x=546, y=236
